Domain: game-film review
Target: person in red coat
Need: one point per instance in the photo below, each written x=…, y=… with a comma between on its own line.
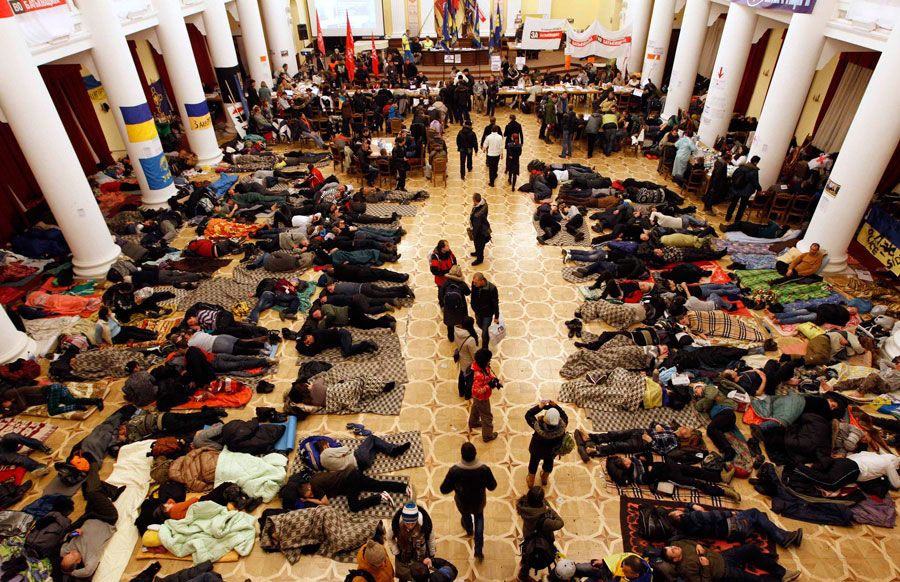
x=442, y=260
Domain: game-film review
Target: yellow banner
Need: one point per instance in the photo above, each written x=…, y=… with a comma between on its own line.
x=201, y=122
x=880, y=248
x=97, y=94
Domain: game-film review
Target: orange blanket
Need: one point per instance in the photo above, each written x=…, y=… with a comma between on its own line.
x=205, y=398
x=221, y=228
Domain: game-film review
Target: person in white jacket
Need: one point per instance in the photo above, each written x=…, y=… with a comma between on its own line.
x=833, y=474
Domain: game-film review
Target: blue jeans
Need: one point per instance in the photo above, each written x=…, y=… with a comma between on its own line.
x=796, y=316
x=588, y=256
x=389, y=232
x=258, y=261
x=687, y=221
x=365, y=454
x=374, y=236
x=566, y=143
x=718, y=301
x=477, y=526
x=601, y=266
x=748, y=521
x=269, y=299
x=708, y=289
x=484, y=323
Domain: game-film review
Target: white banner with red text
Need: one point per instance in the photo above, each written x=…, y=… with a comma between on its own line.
x=596, y=41
x=542, y=34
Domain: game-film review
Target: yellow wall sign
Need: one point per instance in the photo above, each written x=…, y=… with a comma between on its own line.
x=880, y=247
x=201, y=122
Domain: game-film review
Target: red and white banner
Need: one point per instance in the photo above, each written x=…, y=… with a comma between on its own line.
x=596, y=41
x=42, y=21
x=542, y=34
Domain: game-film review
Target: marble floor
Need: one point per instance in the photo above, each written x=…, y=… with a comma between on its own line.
x=535, y=301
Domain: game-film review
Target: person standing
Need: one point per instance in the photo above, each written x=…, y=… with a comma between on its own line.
x=483, y=384
x=513, y=128
x=485, y=305
x=493, y=148
x=462, y=99
x=548, y=421
x=480, y=227
x=399, y=162
x=442, y=260
x=513, y=153
x=452, y=299
x=718, y=183
x=467, y=143
x=684, y=148
x=548, y=119
x=569, y=125
x=493, y=88
x=592, y=131
x=489, y=129
x=744, y=183
x=470, y=480
x=466, y=345
x=610, y=123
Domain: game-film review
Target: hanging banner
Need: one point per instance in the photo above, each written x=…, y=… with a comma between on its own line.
x=412, y=17
x=43, y=21
x=138, y=123
x=94, y=88
x=160, y=99
x=597, y=41
x=198, y=115
x=156, y=170
x=542, y=34
x=793, y=6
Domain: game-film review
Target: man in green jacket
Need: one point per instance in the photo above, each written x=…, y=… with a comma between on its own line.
x=696, y=563
x=329, y=315
x=549, y=118
x=715, y=402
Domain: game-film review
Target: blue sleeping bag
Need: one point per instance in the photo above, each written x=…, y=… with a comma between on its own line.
x=311, y=454
x=38, y=243
x=222, y=185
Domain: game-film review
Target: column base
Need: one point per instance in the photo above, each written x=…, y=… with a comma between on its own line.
x=212, y=160
x=96, y=268
x=21, y=346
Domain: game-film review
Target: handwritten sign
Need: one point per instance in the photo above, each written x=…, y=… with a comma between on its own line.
x=880, y=247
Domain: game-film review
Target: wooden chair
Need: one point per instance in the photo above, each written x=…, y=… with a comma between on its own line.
x=356, y=170
x=396, y=125
x=666, y=161
x=760, y=203
x=799, y=210
x=416, y=163
x=385, y=173
x=623, y=101
x=781, y=203
x=695, y=183
x=337, y=157
x=439, y=168
x=370, y=121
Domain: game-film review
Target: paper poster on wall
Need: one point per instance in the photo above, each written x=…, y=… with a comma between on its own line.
x=542, y=34
x=457, y=58
x=832, y=188
x=448, y=59
x=495, y=63
x=412, y=14
x=794, y=6
x=520, y=62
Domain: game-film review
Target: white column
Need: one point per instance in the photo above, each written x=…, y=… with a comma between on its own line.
x=280, y=39
x=658, y=42
x=189, y=96
x=687, y=57
x=793, y=76
x=639, y=15
x=731, y=60
x=16, y=344
x=513, y=8
x=867, y=149
x=398, y=20
x=221, y=50
x=254, y=42
x=426, y=20
x=545, y=7
x=129, y=106
x=41, y=136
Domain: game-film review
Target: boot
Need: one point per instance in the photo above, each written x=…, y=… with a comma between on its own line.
x=578, y=326
x=529, y=480
x=571, y=325
x=731, y=493
x=545, y=478
x=727, y=474
x=149, y=573
x=582, y=451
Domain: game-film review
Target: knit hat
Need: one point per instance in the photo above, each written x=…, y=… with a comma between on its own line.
x=551, y=417
x=565, y=569
x=374, y=553
x=410, y=513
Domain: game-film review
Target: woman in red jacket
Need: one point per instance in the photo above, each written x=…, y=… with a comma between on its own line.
x=483, y=385
x=442, y=260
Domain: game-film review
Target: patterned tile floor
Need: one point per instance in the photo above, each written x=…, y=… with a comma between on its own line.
x=535, y=301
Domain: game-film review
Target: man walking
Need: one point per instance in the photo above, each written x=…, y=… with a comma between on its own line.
x=470, y=480
x=744, y=183
x=467, y=143
x=485, y=305
x=493, y=148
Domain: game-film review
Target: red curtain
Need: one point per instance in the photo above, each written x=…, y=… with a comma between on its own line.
x=17, y=183
x=751, y=74
x=164, y=76
x=867, y=60
x=140, y=71
x=201, y=57
x=69, y=94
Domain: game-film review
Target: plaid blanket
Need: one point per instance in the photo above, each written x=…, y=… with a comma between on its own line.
x=333, y=530
x=618, y=352
x=723, y=325
x=618, y=315
x=735, y=247
x=786, y=293
x=110, y=363
x=389, y=354
x=413, y=457
x=681, y=495
x=754, y=261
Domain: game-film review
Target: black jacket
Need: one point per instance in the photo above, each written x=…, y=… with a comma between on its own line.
x=251, y=437
x=745, y=180
x=488, y=130
x=469, y=483
x=479, y=220
x=511, y=128
x=486, y=301
x=546, y=439
x=466, y=138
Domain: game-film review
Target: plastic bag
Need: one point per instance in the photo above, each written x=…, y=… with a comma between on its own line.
x=497, y=330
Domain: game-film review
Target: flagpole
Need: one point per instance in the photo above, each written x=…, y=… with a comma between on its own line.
x=424, y=20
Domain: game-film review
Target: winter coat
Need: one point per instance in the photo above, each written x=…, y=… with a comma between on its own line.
x=785, y=409
x=249, y=436
x=546, y=439
x=47, y=534
x=454, y=315
x=745, y=181
x=466, y=139
x=140, y=388
x=481, y=383
x=441, y=263
x=479, y=221
x=466, y=346
x=486, y=301
x=197, y=469
x=543, y=517
x=469, y=483
x=593, y=123
x=808, y=439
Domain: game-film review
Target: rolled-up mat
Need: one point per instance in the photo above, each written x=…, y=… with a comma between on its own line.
x=289, y=438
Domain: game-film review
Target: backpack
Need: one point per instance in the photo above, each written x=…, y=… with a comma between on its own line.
x=654, y=524
x=468, y=379
x=713, y=461
x=453, y=298
x=566, y=446
x=739, y=180
x=538, y=551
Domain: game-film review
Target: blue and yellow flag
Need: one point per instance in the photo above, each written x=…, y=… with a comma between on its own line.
x=138, y=123
x=496, y=28
x=156, y=170
x=445, y=27
x=198, y=114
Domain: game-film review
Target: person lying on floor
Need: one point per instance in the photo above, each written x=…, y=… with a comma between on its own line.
x=624, y=567
x=272, y=292
x=282, y=239
x=642, y=470
x=834, y=474
x=83, y=547
x=659, y=438
x=642, y=336
x=312, y=342
x=359, y=274
x=155, y=424
x=835, y=314
x=347, y=395
x=680, y=305
x=366, y=258
x=332, y=456
x=835, y=345
x=696, y=563
x=281, y=261
x=221, y=344
x=125, y=301
x=683, y=222
x=668, y=255
x=146, y=276
x=620, y=267
x=696, y=522
x=769, y=230
x=757, y=382
x=714, y=401
x=330, y=315
x=349, y=241
x=56, y=396
x=216, y=320
x=349, y=482
x=9, y=455
x=372, y=292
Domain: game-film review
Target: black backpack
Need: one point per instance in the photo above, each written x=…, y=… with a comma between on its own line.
x=654, y=524
x=538, y=551
x=739, y=180
x=469, y=379
x=453, y=298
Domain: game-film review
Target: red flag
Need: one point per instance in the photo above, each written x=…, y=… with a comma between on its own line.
x=351, y=53
x=320, y=38
x=374, y=57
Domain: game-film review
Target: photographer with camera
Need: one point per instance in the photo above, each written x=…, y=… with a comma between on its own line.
x=549, y=422
x=483, y=383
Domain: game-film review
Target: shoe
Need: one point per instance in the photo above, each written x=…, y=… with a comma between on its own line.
x=40, y=471
x=478, y=262
x=727, y=475
x=792, y=538
x=389, y=386
x=729, y=455
x=758, y=462
x=479, y=555
x=473, y=254
x=409, y=291
x=753, y=444
x=731, y=493
x=386, y=497
x=757, y=434
x=790, y=575
x=490, y=438
x=401, y=449
x=393, y=326
x=579, y=443
x=46, y=450
x=274, y=338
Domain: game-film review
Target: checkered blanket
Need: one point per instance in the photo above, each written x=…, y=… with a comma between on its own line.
x=605, y=403
x=681, y=494
x=735, y=247
x=564, y=239
x=337, y=534
x=569, y=274
x=218, y=291
x=618, y=352
x=242, y=274
x=384, y=403
x=414, y=457
x=78, y=390
x=387, y=209
x=36, y=430
x=723, y=325
x=391, y=365
x=618, y=315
